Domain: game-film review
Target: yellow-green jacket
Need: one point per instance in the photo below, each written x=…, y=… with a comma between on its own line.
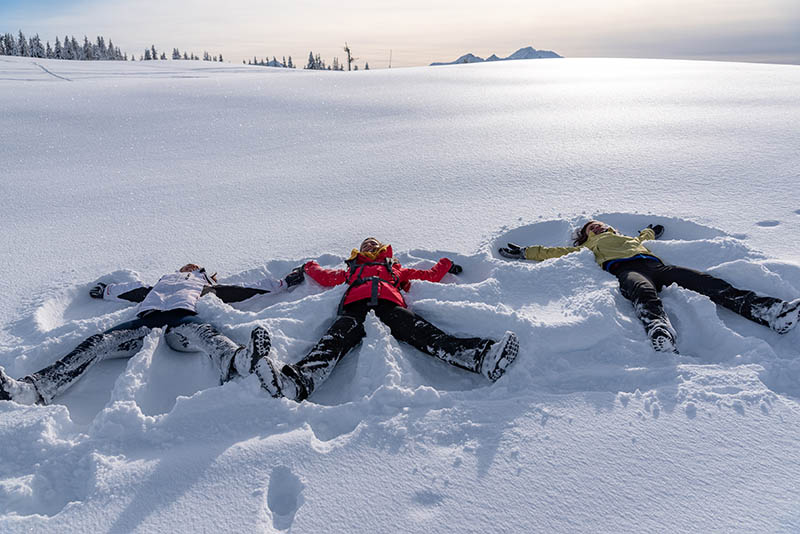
x=607, y=246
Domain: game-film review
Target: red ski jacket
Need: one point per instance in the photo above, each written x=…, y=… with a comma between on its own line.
x=379, y=278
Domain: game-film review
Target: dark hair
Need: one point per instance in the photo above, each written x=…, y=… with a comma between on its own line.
x=581, y=235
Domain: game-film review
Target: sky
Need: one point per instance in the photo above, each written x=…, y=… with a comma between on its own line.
x=418, y=32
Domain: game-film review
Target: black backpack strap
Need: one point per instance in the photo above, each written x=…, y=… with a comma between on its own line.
x=355, y=278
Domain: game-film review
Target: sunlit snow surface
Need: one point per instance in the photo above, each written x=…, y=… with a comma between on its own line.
x=124, y=171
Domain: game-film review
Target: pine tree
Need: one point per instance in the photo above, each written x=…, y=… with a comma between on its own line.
x=163, y=55
x=23, y=49
x=290, y=64
x=153, y=53
x=147, y=56
x=37, y=49
x=310, y=64
x=48, y=53
x=366, y=65
x=102, y=51
x=86, y=52
x=185, y=56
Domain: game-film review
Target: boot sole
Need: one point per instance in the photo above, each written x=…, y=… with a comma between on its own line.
x=508, y=355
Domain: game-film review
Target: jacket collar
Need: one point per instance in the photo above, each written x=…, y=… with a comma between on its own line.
x=379, y=255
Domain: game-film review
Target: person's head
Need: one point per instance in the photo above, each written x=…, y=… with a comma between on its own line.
x=591, y=227
x=192, y=267
x=370, y=245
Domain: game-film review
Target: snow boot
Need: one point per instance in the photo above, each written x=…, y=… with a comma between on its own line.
x=276, y=383
x=785, y=316
x=21, y=391
x=244, y=359
x=498, y=356
x=662, y=336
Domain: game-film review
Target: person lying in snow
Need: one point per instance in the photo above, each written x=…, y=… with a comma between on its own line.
x=642, y=275
x=376, y=279
x=171, y=303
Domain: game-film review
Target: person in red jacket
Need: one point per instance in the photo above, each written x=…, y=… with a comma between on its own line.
x=376, y=280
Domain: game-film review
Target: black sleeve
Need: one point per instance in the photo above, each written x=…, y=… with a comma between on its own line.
x=236, y=293
x=135, y=295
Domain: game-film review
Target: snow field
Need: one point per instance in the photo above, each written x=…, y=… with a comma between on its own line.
x=129, y=171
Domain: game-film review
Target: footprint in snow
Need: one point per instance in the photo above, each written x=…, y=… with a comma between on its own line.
x=768, y=223
x=284, y=496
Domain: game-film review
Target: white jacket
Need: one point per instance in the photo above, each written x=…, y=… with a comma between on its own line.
x=177, y=291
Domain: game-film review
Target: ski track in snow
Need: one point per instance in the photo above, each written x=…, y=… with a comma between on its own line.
x=589, y=430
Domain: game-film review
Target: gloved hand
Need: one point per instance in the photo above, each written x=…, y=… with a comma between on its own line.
x=455, y=269
x=295, y=277
x=513, y=251
x=657, y=229
x=97, y=291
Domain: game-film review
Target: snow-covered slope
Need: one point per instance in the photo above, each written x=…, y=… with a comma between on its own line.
x=127, y=171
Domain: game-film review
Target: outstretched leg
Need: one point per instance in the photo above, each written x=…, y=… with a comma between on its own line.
x=408, y=327
x=44, y=385
x=483, y=356
x=230, y=358
x=647, y=306
x=298, y=380
x=779, y=315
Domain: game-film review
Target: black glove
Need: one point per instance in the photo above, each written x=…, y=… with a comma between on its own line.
x=513, y=251
x=657, y=229
x=295, y=277
x=455, y=269
x=97, y=291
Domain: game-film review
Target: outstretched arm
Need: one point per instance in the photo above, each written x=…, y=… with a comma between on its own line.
x=126, y=292
x=235, y=293
x=540, y=253
x=239, y=293
x=536, y=252
x=325, y=277
x=434, y=274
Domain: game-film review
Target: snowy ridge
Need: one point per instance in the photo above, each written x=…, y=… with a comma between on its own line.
x=527, y=52
x=590, y=430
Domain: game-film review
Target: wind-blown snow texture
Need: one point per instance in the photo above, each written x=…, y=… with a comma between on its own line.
x=127, y=171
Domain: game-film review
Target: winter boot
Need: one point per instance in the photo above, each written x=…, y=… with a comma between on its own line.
x=245, y=359
x=21, y=391
x=276, y=383
x=785, y=316
x=662, y=336
x=498, y=356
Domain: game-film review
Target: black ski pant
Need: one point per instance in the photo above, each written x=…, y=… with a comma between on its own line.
x=123, y=341
x=640, y=281
x=347, y=331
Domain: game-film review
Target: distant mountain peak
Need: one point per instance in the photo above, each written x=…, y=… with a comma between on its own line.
x=527, y=52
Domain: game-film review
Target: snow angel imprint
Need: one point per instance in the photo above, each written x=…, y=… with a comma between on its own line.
x=376, y=281
x=642, y=275
x=171, y=303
